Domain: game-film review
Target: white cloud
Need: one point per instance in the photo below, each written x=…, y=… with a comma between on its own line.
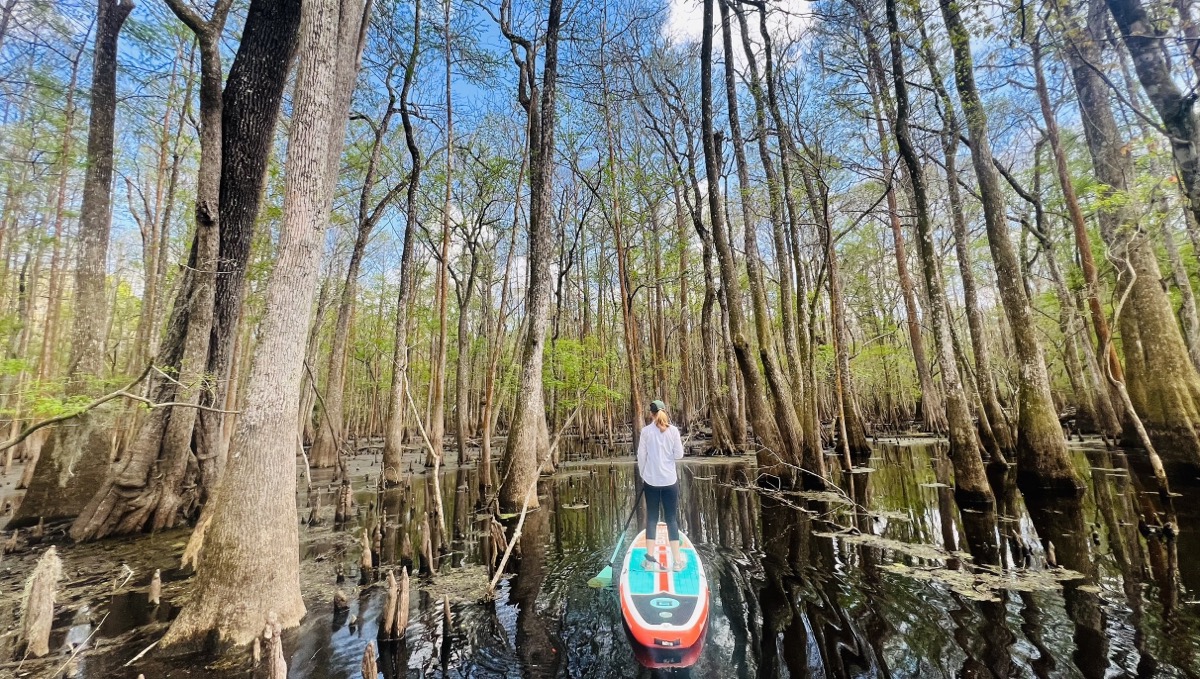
x=786, y=19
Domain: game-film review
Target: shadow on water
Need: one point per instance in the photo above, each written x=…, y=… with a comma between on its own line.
x=869, y=583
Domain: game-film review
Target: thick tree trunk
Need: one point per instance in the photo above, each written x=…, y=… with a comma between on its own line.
x=78, y=458
x=1162, y=383
x=253, y=535
x=250, y=108
x=162, y=475
x=95, y=218
x=970, y=481
x=528, y=440
x=1041, y=452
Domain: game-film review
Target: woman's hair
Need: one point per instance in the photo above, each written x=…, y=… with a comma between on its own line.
x=661, y=420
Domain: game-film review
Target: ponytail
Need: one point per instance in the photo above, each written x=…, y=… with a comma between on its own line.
x=662, y=421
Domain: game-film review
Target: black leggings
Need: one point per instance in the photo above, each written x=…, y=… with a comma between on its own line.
x=666, y=498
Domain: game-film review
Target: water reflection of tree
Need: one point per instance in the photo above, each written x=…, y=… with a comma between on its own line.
x=1060, y=521
x=537, y=642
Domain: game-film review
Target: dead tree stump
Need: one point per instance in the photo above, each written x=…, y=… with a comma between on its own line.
x=369, y=669
x=345, y=504
x=388, y=628
x=40, y=591
x=402, y=605
x=276, y=664
x=367, y=562
x=155, y=594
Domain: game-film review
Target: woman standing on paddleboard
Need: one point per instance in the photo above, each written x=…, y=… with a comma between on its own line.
x=658, y=448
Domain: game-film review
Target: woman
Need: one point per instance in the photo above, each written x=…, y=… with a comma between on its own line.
x=658, y=449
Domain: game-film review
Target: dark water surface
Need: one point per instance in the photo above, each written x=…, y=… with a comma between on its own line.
x=899, y=583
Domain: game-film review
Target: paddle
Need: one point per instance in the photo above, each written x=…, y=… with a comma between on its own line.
x=604, y=577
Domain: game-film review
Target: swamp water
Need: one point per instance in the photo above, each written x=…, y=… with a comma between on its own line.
x=889, y=580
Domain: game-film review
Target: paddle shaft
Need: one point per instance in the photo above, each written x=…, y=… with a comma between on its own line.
x=632, y=511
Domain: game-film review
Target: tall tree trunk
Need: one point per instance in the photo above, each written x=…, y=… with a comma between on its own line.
x=95, y=219
x=250, y=108
x=760, y=413
x=790, y=427
x=54, y=295
x=462, y=381
x=332, y=434
x=308, y=390
x=496, y=347
x=156, y=479
x=253, y=536
x=77, y=457
x=998, y=439
x=1110, y=425
x=970, y=481
x=633, y=344
x=1161, y=381
x=528, y=440
x=1041, y=452
x=933, y=411
x=437, y=386
x=393, y=432
x=683, y=244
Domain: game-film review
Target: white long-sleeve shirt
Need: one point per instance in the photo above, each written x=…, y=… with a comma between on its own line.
x=657, y=452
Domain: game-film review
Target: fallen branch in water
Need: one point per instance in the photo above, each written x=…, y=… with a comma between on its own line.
x=491, y=590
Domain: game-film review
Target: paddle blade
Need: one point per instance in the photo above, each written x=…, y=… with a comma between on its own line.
x=602, y=579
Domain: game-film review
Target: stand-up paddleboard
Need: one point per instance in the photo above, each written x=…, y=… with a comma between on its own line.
x=664, y=609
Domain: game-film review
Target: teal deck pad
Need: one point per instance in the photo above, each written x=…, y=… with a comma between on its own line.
x=686, y=582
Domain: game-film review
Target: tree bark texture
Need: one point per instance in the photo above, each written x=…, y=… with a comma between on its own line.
x=249, y=111
x=528, y=439
x=970, y=481
x=1041, y=451
x=1162, y=383
x=253, y=537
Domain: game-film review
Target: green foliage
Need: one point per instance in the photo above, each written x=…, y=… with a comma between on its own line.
x=573, y=370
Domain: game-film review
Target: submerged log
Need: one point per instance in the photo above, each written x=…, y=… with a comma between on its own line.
x=40, y=591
